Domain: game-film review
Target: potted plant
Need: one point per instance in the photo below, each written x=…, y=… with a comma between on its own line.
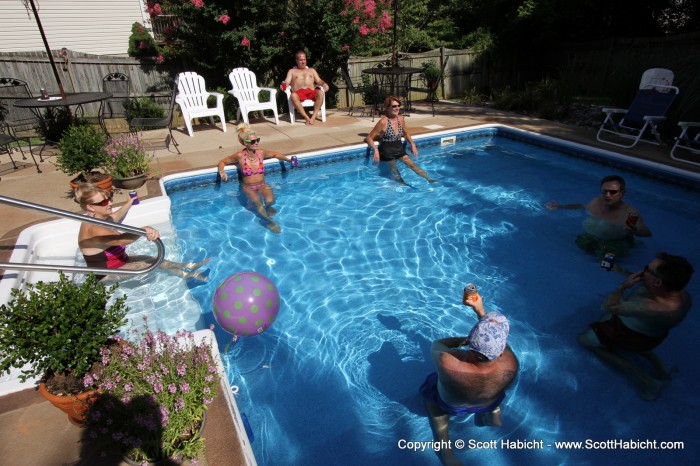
x=56, y=330
x=153, y=399
x=431, y=74
x=82, y=154
x=129, y=161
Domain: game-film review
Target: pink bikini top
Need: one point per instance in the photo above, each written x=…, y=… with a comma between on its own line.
x=246, y=170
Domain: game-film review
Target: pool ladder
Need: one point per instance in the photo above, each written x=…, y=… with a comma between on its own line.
x=81, y=218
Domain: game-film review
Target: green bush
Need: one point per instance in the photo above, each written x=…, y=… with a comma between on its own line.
x=81, y=151
x=58, y=327
x=55, y=122
x=144, y=107
x=141, y=43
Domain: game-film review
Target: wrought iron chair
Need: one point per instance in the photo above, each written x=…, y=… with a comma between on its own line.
x=20, y=123
x=136, y=124
x=118, y=105
x=7, y=137
x=354, y=90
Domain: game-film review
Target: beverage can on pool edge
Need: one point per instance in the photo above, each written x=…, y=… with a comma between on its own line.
x=608, y=261
x=135, y=196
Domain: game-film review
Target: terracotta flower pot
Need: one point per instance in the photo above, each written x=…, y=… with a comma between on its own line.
x=104, y=181
x=75, y=406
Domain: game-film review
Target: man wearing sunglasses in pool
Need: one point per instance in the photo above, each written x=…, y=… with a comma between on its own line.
x=472, y=375
x=611, y=223
x=638, y=321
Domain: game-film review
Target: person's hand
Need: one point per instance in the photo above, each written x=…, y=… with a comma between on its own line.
x=224, y=176
x=151, y=233
x=376, y=156
x=552, y=205
x=632, y=279
x=476, y=304
x=414, y=149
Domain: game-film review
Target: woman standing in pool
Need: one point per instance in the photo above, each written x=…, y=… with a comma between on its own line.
x=252, y=171
x=391, y=127
x=106, y=247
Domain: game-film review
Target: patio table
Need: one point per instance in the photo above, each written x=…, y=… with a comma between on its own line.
x=392, y=80
x=77, y=100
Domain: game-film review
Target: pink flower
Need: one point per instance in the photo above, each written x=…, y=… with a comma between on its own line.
x=160, y=59
x=157, y=10
x=370, y=8
x=356, y=20
x=142, y=45
x=364, y=30
x=245, y=42
x=384, y=21
x=224, y=19
x=198, y=3
x=345, y=48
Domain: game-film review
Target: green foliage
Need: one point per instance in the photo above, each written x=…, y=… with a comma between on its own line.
x=141, y=43
x=81, y=151
x=144, y=107
x=58, y=327
x=128, y=156
x=546, y=98
x=55, y=122
x=154, y=394
x=430, y=72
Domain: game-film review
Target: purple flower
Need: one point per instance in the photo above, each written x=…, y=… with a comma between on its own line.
x=172, y=388
x=88, y=381
x=179, y=404
x=158, y=387
x=185, y=387
x=129, y=386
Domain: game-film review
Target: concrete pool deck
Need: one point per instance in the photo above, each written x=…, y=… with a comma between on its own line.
x=32, y=431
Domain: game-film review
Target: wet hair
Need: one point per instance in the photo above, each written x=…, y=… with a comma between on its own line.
x=674, y=271
x=390, y=99
x=611, y=178
x=244, y=132
x=85, y=192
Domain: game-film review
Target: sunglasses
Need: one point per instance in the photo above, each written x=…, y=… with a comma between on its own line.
x=252, y=141
x=612, y=192
x=104, y=202
x=396, y=106
x=651, y=272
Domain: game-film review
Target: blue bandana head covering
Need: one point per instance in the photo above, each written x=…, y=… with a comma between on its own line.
x=489, y=335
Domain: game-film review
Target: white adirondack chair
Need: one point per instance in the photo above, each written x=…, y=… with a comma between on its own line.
x=304, y=103
x=246, y=91
x=192, y=98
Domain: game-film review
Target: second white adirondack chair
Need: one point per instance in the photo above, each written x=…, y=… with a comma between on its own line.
x=246, y=91
x=192, y=98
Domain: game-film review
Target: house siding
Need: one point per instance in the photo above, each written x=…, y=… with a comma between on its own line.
x=99, y=27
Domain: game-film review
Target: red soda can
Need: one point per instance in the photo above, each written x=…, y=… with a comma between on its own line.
x=632, y=218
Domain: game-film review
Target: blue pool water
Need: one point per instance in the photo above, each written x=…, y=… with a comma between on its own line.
x=371, y=273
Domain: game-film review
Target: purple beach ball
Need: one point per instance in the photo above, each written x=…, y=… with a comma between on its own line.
x=246, y=303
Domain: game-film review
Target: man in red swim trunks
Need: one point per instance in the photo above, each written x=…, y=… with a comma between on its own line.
x=306, y=84
x=639, y=320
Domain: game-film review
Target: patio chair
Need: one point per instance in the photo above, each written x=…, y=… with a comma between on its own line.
x=22, y=123
x=431, y=88
x=354, y=90
x=118, y=105
x=304, y=103
x=192, y=98
x=640, y=122
x=246, y=91
x=136, y=124
x=687, y=142
x=7, y=137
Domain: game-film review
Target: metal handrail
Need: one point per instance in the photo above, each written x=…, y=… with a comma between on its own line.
x=81, y=218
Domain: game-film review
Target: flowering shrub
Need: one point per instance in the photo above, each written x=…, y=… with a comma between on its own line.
x=128, y=156
x=154, y=394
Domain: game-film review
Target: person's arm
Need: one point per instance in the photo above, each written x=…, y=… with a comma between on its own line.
x=409, y=138
x=639, y=228
x=287, y=80
x=613, y=302
x=269, y=154
x=320, y=82
x=222, y=166
x=100, y=237
x=118, y=215
x=554, y=205
x=477, y=305
x=376, y=131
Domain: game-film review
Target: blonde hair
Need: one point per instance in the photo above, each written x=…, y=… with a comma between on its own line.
x=244, y=132
x=84, y=193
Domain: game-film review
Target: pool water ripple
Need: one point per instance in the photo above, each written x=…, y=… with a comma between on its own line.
x=371, y=273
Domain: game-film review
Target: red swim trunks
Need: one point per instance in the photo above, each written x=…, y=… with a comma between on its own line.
x=613, y=333
x=306, y=94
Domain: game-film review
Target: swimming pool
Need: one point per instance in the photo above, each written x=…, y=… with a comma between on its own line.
x=371, y=273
